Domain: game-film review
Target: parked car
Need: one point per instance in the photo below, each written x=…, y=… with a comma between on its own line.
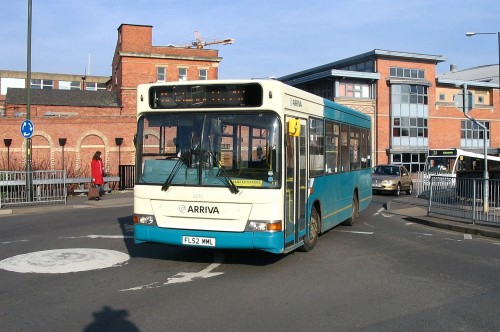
x=391, y=178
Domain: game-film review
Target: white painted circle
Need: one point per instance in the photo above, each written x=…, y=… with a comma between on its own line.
x=64, y=260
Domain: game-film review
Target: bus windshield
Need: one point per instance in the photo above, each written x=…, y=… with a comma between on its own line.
x=440, y=164
x=230, y=149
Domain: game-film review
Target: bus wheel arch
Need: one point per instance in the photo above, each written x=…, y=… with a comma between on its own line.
x=314, y=228
x=354, y=210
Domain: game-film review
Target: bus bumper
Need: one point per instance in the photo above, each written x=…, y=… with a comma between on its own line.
x=268, y=241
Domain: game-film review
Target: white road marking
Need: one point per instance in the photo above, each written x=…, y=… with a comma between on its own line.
x=378, y=212
x=64, y=260
x=182, y=277
x=467, y=237
x=356, y=232
x=409, y=223
x=423, y=234
x=92, y=236
x=9, y=242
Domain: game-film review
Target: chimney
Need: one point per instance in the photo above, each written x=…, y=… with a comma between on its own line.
x=453, y=68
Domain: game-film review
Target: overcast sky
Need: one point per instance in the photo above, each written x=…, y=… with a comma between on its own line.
x=273, y=38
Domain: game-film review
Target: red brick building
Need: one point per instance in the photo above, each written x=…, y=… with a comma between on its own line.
x=411, y=106
x=92, y=120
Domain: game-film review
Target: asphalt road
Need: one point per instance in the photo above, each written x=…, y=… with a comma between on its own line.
x=77, y=269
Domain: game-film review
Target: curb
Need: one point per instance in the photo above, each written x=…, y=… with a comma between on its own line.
x=450, y=224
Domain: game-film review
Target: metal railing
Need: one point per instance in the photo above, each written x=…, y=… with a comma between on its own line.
x=127, y=176
x=40, y=187
x=464, y=198
x=36, y=187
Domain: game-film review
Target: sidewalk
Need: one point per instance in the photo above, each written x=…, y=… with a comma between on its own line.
x=415, y=210
x=114, y=199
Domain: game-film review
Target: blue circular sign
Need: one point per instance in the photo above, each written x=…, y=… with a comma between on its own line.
x=27, y=129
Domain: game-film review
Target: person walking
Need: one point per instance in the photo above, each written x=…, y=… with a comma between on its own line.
x=97, y=170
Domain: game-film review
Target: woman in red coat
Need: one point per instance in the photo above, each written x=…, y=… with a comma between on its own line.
x=97, y=169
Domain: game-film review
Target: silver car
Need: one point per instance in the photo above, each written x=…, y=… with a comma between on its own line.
x=391, y=178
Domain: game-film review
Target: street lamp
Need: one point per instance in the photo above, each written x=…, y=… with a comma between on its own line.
x=485, y=187
x=8, y=142
x=62, y=143
x=119, y=142
x=471, y=34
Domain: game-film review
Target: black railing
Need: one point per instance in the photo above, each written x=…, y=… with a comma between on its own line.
x=127, y=176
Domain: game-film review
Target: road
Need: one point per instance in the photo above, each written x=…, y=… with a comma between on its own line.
x=78, y=270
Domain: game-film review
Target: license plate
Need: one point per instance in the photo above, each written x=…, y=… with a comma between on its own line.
x=198, y=241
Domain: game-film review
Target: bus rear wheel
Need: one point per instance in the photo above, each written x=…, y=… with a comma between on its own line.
x=355, y=211
x=312, y=237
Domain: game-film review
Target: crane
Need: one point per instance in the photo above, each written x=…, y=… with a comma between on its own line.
x=200, y=43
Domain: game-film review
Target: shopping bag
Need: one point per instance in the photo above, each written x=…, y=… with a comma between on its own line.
x=93, y=193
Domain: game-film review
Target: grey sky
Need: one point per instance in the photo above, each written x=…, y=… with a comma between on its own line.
x=273, y=38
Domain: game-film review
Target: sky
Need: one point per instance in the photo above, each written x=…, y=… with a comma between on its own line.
x=272, y=38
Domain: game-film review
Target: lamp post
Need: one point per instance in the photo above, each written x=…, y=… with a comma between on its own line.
x=471, y=34
x=8, y=142
x=62, y=143
x=485, y=187
x=119, y=142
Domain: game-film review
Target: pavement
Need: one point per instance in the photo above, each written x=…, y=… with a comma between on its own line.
x=414, y=209
x=410, y=208
x=113, y=199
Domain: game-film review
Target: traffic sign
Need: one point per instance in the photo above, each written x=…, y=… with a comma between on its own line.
x=27, y=129
x=458, y=99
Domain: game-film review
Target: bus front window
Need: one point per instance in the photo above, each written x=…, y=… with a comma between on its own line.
x=199, y=149
x=440, y=164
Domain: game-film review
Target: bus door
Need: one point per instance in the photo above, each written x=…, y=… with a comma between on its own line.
x=296, y=183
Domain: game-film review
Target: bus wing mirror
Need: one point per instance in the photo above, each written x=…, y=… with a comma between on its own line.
x=294, y=127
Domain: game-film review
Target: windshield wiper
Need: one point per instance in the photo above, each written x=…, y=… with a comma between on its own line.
x=178, y=165
x=227, y=180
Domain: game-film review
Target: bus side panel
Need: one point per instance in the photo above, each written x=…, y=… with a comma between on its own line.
x=335, y=193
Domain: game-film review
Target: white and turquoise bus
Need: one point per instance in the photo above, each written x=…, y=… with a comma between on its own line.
x=447, y=162
x=246, y=164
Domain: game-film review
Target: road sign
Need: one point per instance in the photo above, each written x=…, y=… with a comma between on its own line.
x=458, y=99
x=27, y=129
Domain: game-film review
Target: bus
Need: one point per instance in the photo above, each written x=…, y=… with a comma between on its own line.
x=200, y=181
x=447, y=162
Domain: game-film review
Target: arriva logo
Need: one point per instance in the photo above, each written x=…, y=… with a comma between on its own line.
x=198, y=209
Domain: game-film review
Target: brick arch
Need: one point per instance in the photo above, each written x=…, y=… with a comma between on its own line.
x=36, y=158
x=84, y=155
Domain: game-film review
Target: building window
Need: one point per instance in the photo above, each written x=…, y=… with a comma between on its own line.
x=365, y=66
x=409, y=127
x=182, y=74
x=407, y=73
x=93, y=86
x=442, y=97
x=42, y=84
x=472, y=135
x=70, y=85
x=354, y=90
x=414, y=162
x=409, y=115
x=203, y=74
x=161, y=74
x=480, y=99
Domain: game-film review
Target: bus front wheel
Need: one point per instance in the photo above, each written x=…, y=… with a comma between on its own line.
x=355, y=211
x=312, y=237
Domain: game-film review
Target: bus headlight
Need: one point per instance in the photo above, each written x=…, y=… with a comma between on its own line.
x=263, y=225
x=145, y=220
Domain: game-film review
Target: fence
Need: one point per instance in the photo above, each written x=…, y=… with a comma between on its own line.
x=465, y=198
x=127, y=176
x=36, y=187
x=40, y=187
